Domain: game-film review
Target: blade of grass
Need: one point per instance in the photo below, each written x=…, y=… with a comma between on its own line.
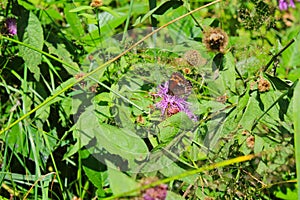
x=49, y=99
x=127, y=21
x=296, y=110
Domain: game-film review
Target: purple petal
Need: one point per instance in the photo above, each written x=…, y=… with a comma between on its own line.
x=172, y=104
x=11, y=25
x=292, y=4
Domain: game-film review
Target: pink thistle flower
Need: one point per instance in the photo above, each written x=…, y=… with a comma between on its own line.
x=11, y=25
x=171, y=104
x=284, y=4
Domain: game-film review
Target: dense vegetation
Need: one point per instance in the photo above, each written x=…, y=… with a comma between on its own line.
x=149, y=99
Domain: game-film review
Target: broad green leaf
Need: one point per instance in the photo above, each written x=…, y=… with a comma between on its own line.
x=109, y=10
x=287, y=193
x=88, y=16
x=108, y=23
x=278, y=83
x=290, y=56
x=33, y=36
x=251, y=113
x=121, y=142
x=228, y=74
x=76, y=29
x=92, y=168
x=119, y=182
x=80, y=8
x=173, y=169
x=174, y=125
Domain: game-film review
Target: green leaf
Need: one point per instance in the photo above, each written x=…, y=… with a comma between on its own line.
x=107, y=23
x=50, y=15
x=160, y=10
x=121, y=142
x=33, y=36
x=80, y=8
x=174, y=125
x=278, y=83
x=119, y=182
x=251, y=113
x=288, y=194
x=76, y=29
x=172, y=196
x=296, y=115
x=109, y=10
x=228, y=74
x=62, y=53
x=86, y=15
x=92, y=168
x=290, y=57
x=43, y=113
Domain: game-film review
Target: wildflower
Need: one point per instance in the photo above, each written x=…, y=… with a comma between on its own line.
x=172, y=104
x=263, y=85
x=96, y=3
x=187, y=70
x=215, y=39
x=158, y=192
x=11, y=25
x=283, y=4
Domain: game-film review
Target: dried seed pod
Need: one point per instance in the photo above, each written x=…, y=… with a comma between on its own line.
x=263, y=85
x=192, y=57
x=215, y=39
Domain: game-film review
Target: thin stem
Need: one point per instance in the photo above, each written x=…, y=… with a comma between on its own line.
x=275, y=56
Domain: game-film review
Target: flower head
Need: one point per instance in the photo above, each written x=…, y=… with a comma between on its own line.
x=193, y=57
x=171, y=104
x=96, y=3
x=158, y=192
x=215, y=39
x=284, y=4
x=263, y=85
x=11, y=25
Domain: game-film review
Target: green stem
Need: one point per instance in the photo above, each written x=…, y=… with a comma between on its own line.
x=127, y=21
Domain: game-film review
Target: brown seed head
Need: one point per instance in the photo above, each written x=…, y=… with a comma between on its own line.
x=192, y=57
x=263, y=85
x=140, y=119
x=250, y=141
x=215, y=39
x=222, y=99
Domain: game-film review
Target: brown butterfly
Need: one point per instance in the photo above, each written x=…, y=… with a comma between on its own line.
x=179, y=86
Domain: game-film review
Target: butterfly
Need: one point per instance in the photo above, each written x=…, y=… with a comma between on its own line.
x=179, y=86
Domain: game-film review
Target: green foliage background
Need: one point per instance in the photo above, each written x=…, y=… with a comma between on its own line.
x=75, y=123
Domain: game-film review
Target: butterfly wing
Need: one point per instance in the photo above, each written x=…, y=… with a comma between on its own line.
x=179, y=86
